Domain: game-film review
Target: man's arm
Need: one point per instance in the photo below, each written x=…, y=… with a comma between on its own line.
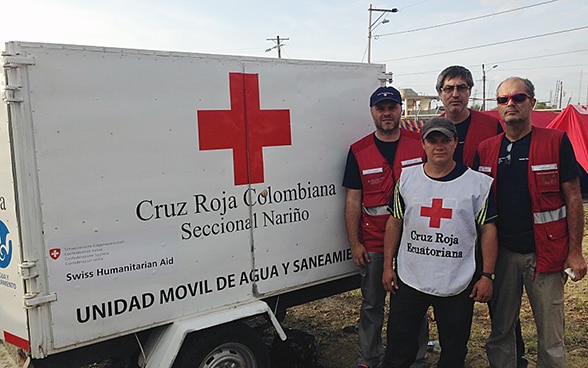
x=575, y=217
x=391, y=244
x=482, y=290
x=352, y=222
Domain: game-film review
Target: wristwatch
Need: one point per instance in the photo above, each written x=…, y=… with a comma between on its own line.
x=489, y=275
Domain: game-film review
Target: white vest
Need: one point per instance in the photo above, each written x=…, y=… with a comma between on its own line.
x=437, y=250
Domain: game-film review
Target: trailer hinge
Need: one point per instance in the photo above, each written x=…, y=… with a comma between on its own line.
x=9, y=61
x=9, y=94
x=27, y=270
x=33, y=298
x=386, y=78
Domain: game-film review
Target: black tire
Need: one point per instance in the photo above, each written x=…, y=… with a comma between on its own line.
x=226, y=346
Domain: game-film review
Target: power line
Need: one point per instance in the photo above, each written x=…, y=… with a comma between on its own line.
x=465, y=20
x=503, y=62
x=415, y=4
x=488, y=44
x=537, y=57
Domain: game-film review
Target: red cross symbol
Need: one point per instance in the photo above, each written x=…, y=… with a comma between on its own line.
x=436, y=212
x=245, y=128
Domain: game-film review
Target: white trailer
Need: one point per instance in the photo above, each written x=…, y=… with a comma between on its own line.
x=151, y=200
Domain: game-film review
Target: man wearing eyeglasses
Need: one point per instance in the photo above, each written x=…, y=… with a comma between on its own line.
x=454, y=86
x=540, y=225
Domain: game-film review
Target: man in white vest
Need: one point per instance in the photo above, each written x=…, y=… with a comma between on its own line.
x=438, y=210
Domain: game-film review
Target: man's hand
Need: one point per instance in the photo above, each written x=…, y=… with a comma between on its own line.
x=482, y=291
x=360, y=255
x=390, y=280
x=577, y=263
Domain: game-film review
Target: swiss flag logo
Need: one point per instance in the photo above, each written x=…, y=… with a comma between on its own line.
x=54, y=253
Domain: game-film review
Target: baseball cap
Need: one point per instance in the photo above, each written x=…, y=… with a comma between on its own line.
x=441, y=125
x=383, y=94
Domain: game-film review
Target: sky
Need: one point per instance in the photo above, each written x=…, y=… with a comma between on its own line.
x=543, y=40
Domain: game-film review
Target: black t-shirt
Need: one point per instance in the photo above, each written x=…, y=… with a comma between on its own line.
x=513, y=200
x=462, y=131
x=352, y=176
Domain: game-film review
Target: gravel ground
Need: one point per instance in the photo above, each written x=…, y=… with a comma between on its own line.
x=6, y=360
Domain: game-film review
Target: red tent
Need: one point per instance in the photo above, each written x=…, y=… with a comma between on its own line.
x=538, y=118
x=574, y=121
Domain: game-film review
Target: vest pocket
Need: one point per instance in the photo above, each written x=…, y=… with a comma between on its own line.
x=551, y=245
x=547, y=181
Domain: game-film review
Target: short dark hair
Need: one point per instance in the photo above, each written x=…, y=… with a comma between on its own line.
x=529, y=87
x=453, y=72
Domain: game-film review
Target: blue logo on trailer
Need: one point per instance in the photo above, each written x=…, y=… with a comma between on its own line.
x=5, y=246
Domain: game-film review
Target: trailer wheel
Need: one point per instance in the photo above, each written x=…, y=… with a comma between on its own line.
x=229, y=346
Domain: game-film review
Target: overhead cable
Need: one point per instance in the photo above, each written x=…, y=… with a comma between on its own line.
x=488, y=44
x=465, y=20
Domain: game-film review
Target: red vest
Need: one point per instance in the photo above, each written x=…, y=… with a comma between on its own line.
x=378, y=180
x=550, y=225
x=481, y=127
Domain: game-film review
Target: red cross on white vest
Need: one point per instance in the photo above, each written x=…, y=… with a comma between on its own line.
x=436, y=212
x=245, y=129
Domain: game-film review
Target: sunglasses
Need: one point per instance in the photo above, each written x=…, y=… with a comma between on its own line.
x=508, y=149
x=516, y=98
x=506, y=159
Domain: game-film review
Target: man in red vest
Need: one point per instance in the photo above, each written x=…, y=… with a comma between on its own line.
x=374, y=164
x=454, y=86
x=540, y=226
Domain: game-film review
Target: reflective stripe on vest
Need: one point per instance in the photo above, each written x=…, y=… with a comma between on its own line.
x=549, y=216
x=376, y=211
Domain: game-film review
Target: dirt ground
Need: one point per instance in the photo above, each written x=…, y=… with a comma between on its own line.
x=333, y=323
x=6, y=359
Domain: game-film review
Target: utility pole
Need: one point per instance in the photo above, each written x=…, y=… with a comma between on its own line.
x=371, y=26
x=483, y=108
x=580, y=88
x=560, y=93
x=278, y=45
x=555, y=101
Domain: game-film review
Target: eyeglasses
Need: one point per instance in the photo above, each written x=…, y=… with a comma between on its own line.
x=516, y=98
x=461, y=88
